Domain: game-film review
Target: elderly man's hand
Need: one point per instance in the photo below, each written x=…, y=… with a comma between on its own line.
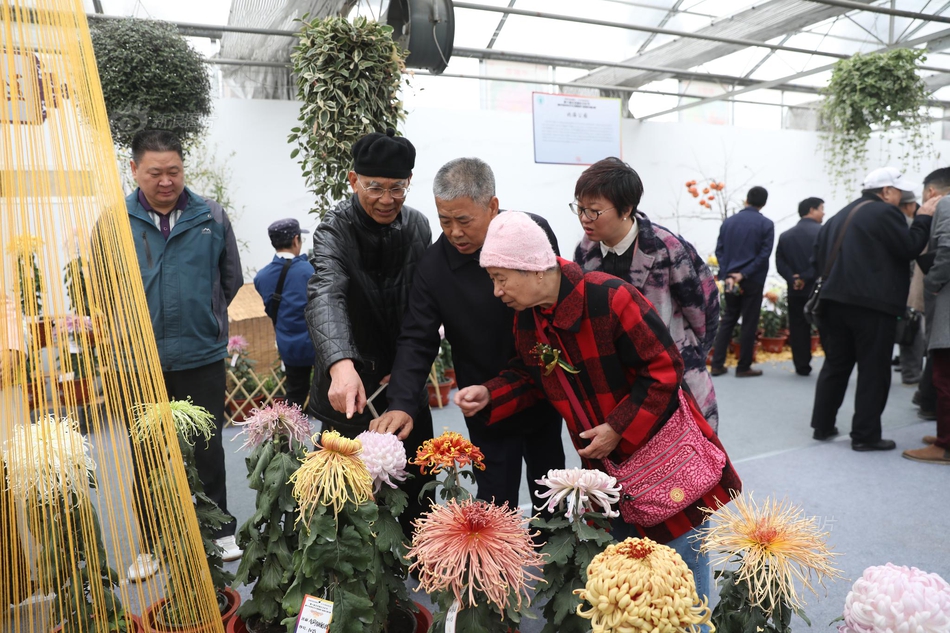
x=472, y=399
x=346, y=394
x=603, y=442
x=397, y=422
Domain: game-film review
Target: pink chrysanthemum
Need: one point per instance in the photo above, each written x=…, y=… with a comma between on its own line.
x=74, y=323
x=583, y=490
x=474, y=547
x=891, y=598
x=237, y=344
x=385, y=458
x=273, y=421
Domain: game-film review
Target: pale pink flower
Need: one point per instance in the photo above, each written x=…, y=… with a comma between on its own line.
x=237, y=344
x=385, y=458
x=473, y=547
x=73, y=323
x=892, y=599
x=583, y=490
x=273, y=421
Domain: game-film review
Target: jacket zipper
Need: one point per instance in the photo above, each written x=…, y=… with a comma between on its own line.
x=646, y=466
x=148, y=250
x=657, y=484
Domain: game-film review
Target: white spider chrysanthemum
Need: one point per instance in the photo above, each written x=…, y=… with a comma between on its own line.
x=583, y=490
x=49, y=458
x=385, y=458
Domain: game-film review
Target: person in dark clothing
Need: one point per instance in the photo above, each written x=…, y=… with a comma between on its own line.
x=365, y=254
x=451, y=288
x=861, y=299
x=286, y=307
x=743, y=250
x=793, y=256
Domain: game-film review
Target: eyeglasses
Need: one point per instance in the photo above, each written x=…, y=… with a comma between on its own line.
x=398, y=193
x=590, y=214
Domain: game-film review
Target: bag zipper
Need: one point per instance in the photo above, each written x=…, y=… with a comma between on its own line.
x=647, y=466
x=628, y=497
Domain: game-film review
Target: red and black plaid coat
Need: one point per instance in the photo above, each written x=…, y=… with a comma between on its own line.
x=630, y=375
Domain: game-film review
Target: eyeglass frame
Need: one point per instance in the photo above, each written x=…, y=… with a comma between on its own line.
x=366, y=190
x=577, y=210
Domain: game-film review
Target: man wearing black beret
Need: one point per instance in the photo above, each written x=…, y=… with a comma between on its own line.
x=365, y=252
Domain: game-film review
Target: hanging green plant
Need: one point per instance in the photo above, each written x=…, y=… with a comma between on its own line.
x=877, y=92
x=348, y=78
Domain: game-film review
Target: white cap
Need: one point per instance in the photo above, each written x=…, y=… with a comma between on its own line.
x=888, y=177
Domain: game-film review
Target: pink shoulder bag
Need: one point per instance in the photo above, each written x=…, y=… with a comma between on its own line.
x=671, y=471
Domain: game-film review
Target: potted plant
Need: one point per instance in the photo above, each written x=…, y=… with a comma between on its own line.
x=243, y=384
x=345, y=95
x=473, y=557
x=773, y=547
x=445, y=353
x=879, y=91
x=771, y=324
x=276, y=437
x=336, y=556
x=581, y=502
x=77, y=382
x=48, y=465
x=815, y=339
x=891, y=598
x=28, y=286
x=192, y=423
x=385, y=458
x=438, y=386
x=640, y=585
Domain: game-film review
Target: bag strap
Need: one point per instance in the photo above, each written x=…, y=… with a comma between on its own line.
x=275, y=299
x=840, y=239
x=582, y=417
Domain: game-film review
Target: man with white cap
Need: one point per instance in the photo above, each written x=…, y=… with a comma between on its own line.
x=861, y=298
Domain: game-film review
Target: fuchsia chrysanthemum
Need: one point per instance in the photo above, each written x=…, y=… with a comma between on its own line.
x=583, y=491
x=889, y=598
x=273, y=421
x=385, y=458
x=237, y=344
x=474, y=547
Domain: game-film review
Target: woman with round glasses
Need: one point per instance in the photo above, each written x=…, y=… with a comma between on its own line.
x=620, y=240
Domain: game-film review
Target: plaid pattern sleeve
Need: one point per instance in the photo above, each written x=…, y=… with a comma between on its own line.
x=512, y=391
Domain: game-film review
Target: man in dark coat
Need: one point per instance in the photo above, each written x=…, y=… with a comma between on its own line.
x=793, y=255
x=365, y=252
x=861, y=299
x=451, y=288
x=743, y=250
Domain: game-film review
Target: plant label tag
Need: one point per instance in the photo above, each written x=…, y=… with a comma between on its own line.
x=315, y=615
x=452, y=617
x=234, y=360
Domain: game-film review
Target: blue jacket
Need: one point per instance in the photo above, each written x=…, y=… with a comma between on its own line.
x=744, y=246
x=293, y=336
x=189, y=280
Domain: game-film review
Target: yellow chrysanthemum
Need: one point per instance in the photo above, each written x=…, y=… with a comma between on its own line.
x=778, y=546
x=25, y=245
x=641, y=586
x=331, y=475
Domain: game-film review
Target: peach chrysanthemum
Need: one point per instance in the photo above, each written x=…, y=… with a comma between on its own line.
x=778, y=546
x=331, y=475
x=448, y=450
x=640, y=585
x=473, y=547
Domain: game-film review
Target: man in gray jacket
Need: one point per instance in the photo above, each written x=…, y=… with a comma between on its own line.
x=937, y=306
x=188, y=257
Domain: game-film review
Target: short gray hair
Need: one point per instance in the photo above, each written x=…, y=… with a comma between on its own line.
x=465, y=178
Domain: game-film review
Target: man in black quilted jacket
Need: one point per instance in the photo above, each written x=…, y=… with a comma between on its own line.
x=365, y=252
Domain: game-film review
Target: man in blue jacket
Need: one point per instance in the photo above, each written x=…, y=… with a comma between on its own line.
x=282, y=285
x=743, y=250
x=191, y=270
x=793, y=255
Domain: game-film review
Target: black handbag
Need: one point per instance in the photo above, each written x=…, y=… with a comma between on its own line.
x=812, y=309
x=908, y=325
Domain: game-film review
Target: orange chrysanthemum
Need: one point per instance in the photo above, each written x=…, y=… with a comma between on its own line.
x=473, y=547
x=448, y=450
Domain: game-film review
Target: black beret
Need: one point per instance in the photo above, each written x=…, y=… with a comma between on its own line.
x=384, y=155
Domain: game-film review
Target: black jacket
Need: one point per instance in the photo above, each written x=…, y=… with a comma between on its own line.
x=451, y=288
x=871, y=269
x=794, y=253
x=357, y=297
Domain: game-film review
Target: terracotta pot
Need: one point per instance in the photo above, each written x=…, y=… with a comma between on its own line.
x=443, y=393
x=709, y=357
x=135, y=624
x=815, y=342
x=150, y=622
x=773, y=345
x=241, y=408
x=80, y=390
x=234, y=601
x=734, y=346
x=450, y=374
x=41, y=331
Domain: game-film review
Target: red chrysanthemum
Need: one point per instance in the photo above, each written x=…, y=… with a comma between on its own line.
x=448, y=450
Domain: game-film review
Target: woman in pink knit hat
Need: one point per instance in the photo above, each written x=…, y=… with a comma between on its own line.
x=600, y=353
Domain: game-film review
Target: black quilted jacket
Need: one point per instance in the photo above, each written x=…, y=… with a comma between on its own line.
x=357, y=297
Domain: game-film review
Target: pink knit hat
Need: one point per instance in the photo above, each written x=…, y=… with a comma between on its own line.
x=516, y=242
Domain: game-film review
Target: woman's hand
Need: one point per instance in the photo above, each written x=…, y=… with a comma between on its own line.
x=603, y=442
x=472, y=399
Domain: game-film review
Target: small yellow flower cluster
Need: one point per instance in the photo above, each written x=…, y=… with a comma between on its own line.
x=25, y=245
x=641, y=586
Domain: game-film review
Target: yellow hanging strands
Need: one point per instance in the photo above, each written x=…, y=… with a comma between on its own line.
x=76, y=346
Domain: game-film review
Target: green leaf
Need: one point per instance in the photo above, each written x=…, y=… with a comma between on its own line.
x=559, y=548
